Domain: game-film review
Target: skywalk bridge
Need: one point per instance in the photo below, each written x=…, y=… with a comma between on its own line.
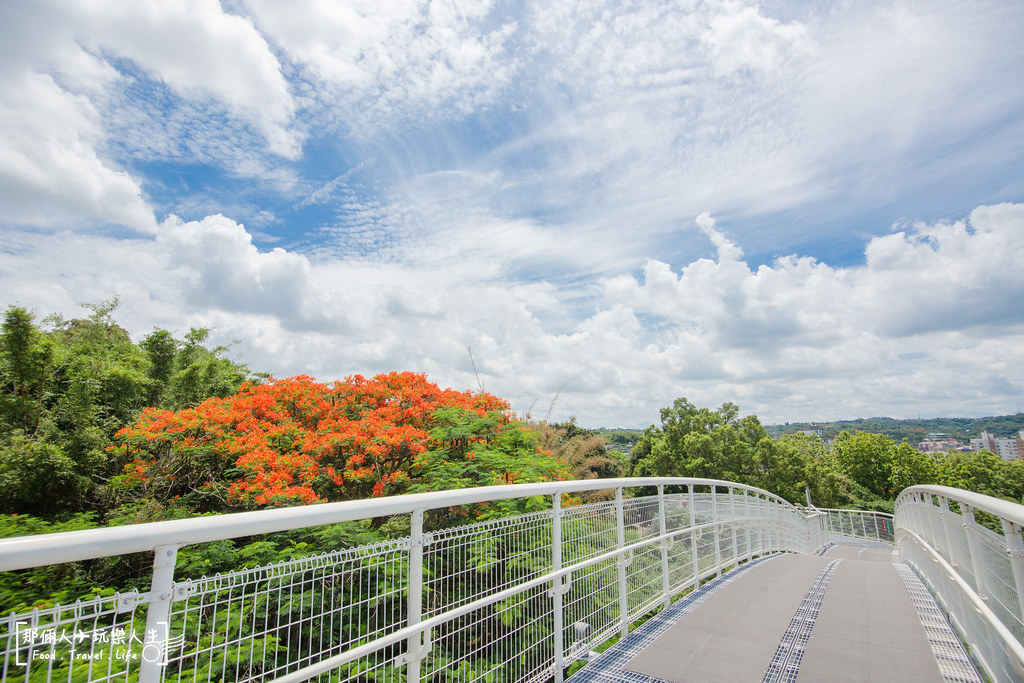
x=667, y=580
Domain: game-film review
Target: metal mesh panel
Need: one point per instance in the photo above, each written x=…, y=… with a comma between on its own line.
x=592, y=602
x=643, y=580
x=509, y=641
x=259, y=623
x=680, y=564
x=960, y=550
x=588, y=531
x=465, y=563
x=96, y=640
x=677, y=512
x=999, y=584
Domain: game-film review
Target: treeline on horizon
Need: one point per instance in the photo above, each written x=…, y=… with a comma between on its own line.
x=98, y=430
x=916, y=430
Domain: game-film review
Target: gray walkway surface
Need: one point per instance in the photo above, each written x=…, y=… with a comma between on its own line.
x=843, y=616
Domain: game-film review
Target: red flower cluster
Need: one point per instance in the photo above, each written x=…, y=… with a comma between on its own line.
x=296, y=440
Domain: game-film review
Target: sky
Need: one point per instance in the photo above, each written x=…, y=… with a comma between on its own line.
x=813, y=210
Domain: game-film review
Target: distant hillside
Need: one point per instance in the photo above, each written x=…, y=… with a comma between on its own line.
x=915, y=431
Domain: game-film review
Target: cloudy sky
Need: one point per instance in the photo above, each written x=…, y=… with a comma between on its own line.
x=814, y=210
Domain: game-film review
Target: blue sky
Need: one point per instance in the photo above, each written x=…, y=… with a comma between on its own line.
x=813, y=210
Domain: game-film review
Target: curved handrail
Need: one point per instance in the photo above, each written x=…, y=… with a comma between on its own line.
x=425, y=626
x=629, y=547
x=1004, y=509
x=977, y=573
x=22, y=552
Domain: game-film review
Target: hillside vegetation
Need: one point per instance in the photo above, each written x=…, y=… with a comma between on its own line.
x=916, y=431
x=97, y=430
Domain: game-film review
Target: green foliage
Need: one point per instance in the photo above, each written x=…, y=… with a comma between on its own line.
x=65, y=392
x=38, y=478
x=719, y=444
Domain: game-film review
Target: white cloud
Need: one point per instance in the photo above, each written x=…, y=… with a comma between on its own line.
x=385, y=61
x=59, y=93
x=742, y=38
x=524, y=180
x=50, y=173
x=198, y=50
x=794, y=339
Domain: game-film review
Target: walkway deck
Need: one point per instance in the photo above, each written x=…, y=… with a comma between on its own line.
x=849, y=615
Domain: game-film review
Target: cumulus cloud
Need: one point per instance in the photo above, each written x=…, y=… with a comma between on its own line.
x=61, y=89
x=50, y=172
x=797, y=338
x=196, y=48
x=524, y=179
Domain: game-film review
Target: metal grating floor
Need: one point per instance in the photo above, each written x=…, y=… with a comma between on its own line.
x=954, y=663
x=785, y=665
x=609, y=666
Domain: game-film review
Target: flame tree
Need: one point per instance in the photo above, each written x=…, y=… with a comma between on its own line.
x=295, y=441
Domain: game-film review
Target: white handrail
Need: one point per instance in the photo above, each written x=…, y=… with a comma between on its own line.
x=714, y=525
x=1004, y=509
x=23, y=552
x=977, y=573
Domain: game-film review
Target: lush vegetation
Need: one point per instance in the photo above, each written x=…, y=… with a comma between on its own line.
x=98, y=430
x=860, y=469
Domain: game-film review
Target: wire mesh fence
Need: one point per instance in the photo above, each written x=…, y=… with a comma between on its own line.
x=514, y=599
x=968, y=549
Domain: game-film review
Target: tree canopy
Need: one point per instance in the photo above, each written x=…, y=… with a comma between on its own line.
x=296, y=440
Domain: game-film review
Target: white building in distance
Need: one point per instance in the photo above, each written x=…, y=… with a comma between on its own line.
x=1007, y=449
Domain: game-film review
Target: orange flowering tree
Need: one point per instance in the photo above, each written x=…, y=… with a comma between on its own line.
x=295, y=440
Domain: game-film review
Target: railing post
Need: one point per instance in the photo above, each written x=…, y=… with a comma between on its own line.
x=158, y=615
x=749, y=526
x=878, y=536
x=717, y=530
x=694, y=555
x=666, y=587
x=414, y=599
x=934, y=520
x=977, y=555
x=557, y=586
x=620, y=527
x=759, y=543
x=733, y=527
x=1015, y=548
x=947, y=521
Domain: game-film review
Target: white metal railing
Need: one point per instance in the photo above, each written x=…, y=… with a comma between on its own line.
x=867, y=525
x=975, y=572
x=518, y=598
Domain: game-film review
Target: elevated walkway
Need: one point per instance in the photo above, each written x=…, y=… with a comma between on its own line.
x=850, y=614
x=742, y=586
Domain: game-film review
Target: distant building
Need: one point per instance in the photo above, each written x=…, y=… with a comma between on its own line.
x=939, y=443
x=1007, y=449
x=813, y=431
